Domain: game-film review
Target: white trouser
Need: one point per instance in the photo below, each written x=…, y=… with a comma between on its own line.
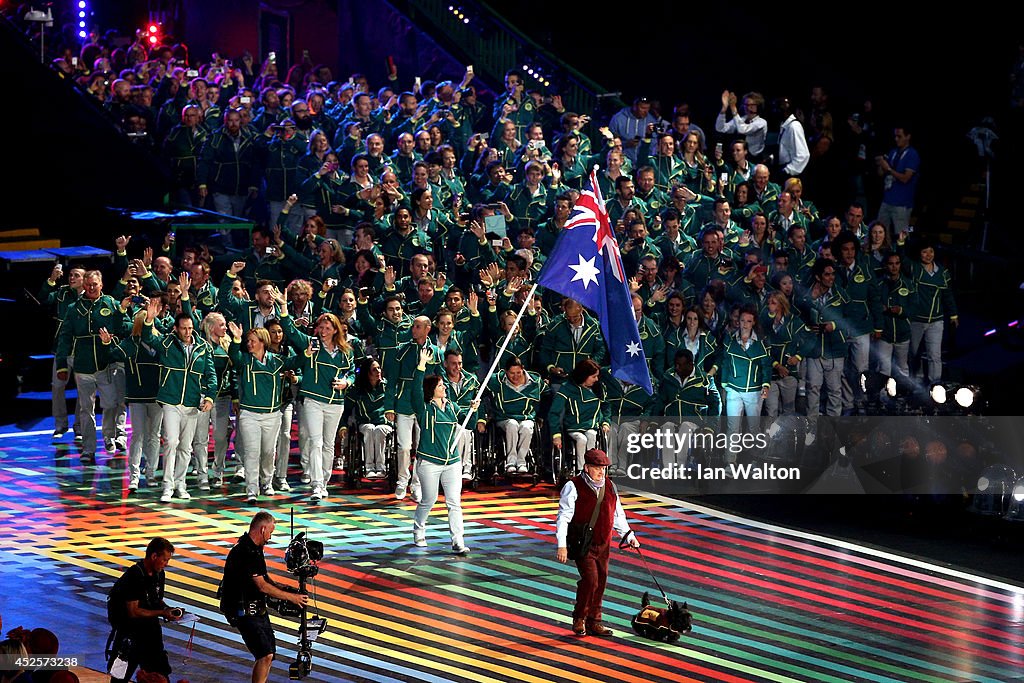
x=58, y=388
x=449, y=477
x=581, y=443
x=88, y=386
x=179, y=430
x=885, y=352
x=407, y=429
x=284, y=442
x=618, y=437
x=518, y=439
x=858, y=360
x=147, y=419
x=374, y=439
x=259, y=441
x=318, y=430
x=220, y=418
x=677, y=450
x=782, y=392
x=464, y=448
x=931, y=335
x=828, y=371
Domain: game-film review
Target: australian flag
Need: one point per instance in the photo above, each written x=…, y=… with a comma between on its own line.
x=586, y=265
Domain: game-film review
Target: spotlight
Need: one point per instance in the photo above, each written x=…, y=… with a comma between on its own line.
x=965, y=396
x=890, y=387
x=938, y=393
x=1015, y=509
x=81, y=4
x=994, y=491
x=153, y=28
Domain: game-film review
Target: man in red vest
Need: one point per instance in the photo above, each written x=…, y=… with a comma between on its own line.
x=580, y=496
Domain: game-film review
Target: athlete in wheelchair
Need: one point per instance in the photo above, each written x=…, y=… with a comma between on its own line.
x=578, y=414
x=370, y=446
x=515, y=393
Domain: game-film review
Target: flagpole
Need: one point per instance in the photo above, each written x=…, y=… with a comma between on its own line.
x=497, y=357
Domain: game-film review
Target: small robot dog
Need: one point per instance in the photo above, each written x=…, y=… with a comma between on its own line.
x=662, y=623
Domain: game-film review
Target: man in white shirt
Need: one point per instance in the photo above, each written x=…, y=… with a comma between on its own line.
x=793, y=152
x=750, y=125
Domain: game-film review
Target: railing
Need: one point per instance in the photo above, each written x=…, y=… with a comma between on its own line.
x=495, y=46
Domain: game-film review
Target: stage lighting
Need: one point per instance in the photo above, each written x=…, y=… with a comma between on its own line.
x=965, y=396
x=1015, y=509
x=890, y=387
x=994, y=489
x=938, y=393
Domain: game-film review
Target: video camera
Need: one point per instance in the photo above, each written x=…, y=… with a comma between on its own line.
x=301, y=557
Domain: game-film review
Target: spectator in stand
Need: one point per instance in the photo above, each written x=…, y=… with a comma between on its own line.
x=898, y=170
x=750, y=125
x=630, y=124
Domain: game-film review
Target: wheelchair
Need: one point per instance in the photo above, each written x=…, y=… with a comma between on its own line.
x=563, y=463
x=492, y=463
x=355, y=463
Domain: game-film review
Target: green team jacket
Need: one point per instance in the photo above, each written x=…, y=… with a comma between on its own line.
x=694, y=396
x=623, y=401
x=320, y=368
x=902, y=293
x=577, y=409
x=387, y=336
x=142, y=368
x=511, y=403
x=558, y=348
x=934, y=293
x=401, y=369
x=438, y=426
x=79, y=333
x=260, y=384
x=464, y=397
x=818, y=312
x=367, y=405
x=863, y=314
x=787, y=340
x=182, y=382
x=745, y=369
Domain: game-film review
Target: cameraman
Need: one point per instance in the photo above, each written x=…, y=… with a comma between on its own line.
x=134, y=607
x=245, y=588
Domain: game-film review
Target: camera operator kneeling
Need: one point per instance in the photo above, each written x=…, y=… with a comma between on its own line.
x=245, y=589
x=134, y=607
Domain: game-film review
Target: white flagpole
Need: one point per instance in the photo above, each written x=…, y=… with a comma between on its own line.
x=497, y=358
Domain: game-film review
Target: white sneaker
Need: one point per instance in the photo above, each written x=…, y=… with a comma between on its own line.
x=168, y=494
x=218, y=482
x=204, y=484
x=251, y=499
x=460, y=548
x=282, y=485
x=420, y=541
x=305, y=479
x=414, y=493
x=401, y=490
x=240, y=473
x=510, y=469
x=133, y=484
x=524, y=469
x=316, y=495
x=183, y=494
x=269, y=491
x=467, y=476
x=325, y=493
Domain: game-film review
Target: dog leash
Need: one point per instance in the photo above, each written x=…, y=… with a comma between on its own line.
x=625, y=545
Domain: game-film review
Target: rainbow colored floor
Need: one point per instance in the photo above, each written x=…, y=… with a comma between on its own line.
x=768, y=604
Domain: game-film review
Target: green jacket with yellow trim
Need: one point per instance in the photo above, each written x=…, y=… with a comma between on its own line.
x=141, y=365
x=469, y=386
x=259, y=382
x=693, y=396
x=745, y=369
x=438, y=426
x=899, y=293
x=183, y=382
x=401, y=370
x=934, y=291
x=559, y=348
x=79, y=333
x=319, y=368
x=511, y=403
x=624, y=400
x=577, y=409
